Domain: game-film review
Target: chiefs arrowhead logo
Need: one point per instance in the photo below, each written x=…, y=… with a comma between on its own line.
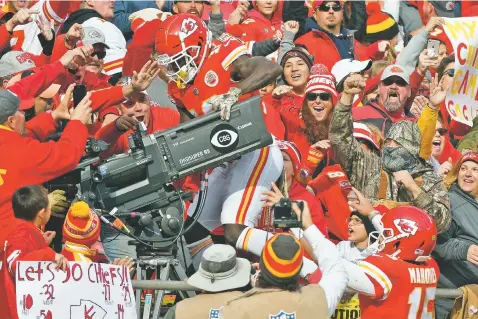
x=406, y=226
x=396, y=69
x=188, y=27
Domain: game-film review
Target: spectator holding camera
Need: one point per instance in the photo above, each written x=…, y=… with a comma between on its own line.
x=46, y=161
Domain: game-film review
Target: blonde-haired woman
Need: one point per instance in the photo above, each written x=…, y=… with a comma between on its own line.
x=457, y=248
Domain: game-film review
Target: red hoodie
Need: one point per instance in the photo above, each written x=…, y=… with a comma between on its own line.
x=22, y=242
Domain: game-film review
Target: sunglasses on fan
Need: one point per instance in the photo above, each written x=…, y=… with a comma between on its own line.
x=311, y=97
x=99, y=54
x=325, y=7
x=450, y=72
x=398, y=81
x=442, y=131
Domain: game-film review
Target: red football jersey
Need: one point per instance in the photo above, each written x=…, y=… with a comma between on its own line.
x=213, y=78
x=403, y=290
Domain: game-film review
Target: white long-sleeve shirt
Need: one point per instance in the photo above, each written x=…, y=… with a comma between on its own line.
x=334, y=277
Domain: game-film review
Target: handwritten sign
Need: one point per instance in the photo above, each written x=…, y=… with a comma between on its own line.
x=461, y=101
x=84, y=291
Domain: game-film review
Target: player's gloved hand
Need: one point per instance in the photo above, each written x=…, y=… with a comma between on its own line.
x=59, y=204
x=224, y=102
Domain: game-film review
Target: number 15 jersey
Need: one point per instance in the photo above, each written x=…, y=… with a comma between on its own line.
x=403, y=290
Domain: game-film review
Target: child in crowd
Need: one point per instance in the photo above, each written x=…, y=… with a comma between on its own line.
x=22, y=240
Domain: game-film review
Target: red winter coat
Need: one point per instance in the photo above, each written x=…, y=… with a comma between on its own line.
x=22, y=242
x=323, y=48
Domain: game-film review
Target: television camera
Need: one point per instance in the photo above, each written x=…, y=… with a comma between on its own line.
x=139, y=186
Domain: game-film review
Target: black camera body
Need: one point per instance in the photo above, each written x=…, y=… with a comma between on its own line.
x=284, y=215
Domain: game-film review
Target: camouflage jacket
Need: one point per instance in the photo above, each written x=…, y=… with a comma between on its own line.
x=364, y=170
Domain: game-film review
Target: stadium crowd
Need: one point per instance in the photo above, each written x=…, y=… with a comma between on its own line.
x=383, y=178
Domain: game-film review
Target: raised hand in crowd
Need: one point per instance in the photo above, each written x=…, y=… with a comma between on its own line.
x=128, y=262
x=74, y=34
x=281, y=90
x=215, y=6
x=23, y=16
x=82, y=111
x=359, y=203
x=142, y=80
x=45, y=27
x=383, y=46
x=418, y=105
x=445, y=167
x=272, y=197
x=239, y=13
x=62, y=111
x=353, y=84
x=425, y=61
x=472, y=255
x=126, y=122
x=433, y=23
x=438, y=92
x=77, y=57
x=291, y=26
x=49, y=236
x=322, y=145
x=61, y=262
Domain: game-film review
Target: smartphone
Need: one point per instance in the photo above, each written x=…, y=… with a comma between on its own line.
x=433, y=48
x=79, y=92
x=406, y=38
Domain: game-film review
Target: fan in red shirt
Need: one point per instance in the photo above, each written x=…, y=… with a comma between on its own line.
x=23, y=240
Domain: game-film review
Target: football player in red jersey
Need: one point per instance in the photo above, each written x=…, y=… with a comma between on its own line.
x=207, y=76
x=400, y=280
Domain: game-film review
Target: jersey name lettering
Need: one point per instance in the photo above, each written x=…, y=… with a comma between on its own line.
x=422, y=276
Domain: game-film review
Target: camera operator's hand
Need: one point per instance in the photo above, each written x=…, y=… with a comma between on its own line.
x=82, y=111
x=126, y=122
x=361, y=205
x=61, y=262
x=303, y=215
x=62, y=112
x=58, y=202
x=128, y=262
x=272, y=197
x=48, y=236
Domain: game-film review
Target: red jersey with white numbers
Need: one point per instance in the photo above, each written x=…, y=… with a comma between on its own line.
x=403, y=290
x=214, y=77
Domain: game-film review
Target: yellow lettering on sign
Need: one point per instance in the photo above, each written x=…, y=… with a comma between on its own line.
x=2, y=172
x=461, y=28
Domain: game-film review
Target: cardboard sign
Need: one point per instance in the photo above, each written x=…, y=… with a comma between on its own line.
x=84, y=291
x=462, y=100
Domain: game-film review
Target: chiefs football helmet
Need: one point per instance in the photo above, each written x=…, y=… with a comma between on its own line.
x=182, y=43
x=409, y=234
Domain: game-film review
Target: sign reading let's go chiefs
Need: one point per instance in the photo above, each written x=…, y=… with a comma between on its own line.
x=85, y=290
x=462, y=99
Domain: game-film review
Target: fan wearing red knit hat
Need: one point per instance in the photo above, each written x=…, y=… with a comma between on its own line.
x=311, y=134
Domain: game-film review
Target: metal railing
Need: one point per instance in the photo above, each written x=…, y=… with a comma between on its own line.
x=183, y=286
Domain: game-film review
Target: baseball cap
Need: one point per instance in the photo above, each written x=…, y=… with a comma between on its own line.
x=362, y=132
x=221, y=270
x=14, y=62
x=443, y=8
x=344, y=67
x=92, y=35
x=9, y=104
x=395, y=70
x=472, y=156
